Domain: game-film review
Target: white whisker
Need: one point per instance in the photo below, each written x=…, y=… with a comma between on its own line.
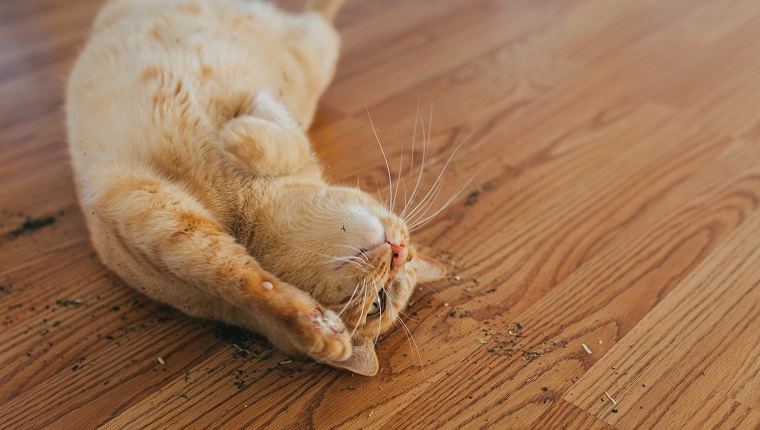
x=349, y=247
x=441, y=176
x=347, y=259
x=420, y=223
x=352, y=259
x=387, y=166
x=426, y=141
x=434, y=291
x=411, y=337
x=380, y=322
x=411, y=163
x=358, y=266
x=425, y=148
x=425, y=204
x=398, y=179
x=361, y=314
x=412, y=318
x=353, y=262
x=404, y=186
x=356, y=288
x=360, y=252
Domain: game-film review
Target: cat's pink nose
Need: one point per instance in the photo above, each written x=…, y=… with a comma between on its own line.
x=400, y=254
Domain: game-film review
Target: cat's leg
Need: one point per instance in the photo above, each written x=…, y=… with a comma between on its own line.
x=266, y=140
x=158, y=223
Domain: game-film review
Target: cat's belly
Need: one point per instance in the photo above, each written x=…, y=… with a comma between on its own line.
x=158, y=79
x=158, y=70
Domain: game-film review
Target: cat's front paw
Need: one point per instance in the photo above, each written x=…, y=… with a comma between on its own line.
x=324, y=337
x=262, y=147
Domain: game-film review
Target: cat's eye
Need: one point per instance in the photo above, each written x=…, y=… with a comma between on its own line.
x=376, y=307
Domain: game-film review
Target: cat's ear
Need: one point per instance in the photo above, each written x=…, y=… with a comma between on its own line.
x=427, y=269
x=363, y=360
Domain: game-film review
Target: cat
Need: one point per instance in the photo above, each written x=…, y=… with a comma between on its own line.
x=187, y=124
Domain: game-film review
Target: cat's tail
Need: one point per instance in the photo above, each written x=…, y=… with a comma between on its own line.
x=327, y=8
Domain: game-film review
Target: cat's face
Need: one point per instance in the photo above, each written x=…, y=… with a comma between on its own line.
x=352, y=254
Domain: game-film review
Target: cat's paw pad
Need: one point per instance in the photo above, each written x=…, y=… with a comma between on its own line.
x=324, y=323
x=328, y=338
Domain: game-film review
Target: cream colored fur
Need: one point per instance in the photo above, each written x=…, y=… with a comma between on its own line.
x=187, y=129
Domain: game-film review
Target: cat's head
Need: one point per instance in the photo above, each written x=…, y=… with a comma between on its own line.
x=351, y=253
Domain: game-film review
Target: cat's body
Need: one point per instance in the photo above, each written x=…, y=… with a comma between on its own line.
x=187, y=124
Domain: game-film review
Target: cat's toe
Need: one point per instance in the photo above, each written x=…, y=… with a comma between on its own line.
x=328, y=338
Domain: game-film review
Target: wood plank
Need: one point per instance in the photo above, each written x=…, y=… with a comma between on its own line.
x=683, y=348
x=594, y=303
x=448, y=41
x=565, y=415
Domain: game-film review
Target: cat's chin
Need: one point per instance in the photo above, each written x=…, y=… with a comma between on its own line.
x=363, y=359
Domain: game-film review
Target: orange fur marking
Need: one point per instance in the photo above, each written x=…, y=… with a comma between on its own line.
x=155, y=33
x=150, y=73
x=192, y=9
x=206, y=71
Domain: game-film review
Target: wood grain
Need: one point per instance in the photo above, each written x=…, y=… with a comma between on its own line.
x=614, y=153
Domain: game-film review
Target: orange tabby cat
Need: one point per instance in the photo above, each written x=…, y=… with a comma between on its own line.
x=187, y=128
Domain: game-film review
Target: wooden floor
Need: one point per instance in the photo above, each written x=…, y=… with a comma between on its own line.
x=608, y=247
